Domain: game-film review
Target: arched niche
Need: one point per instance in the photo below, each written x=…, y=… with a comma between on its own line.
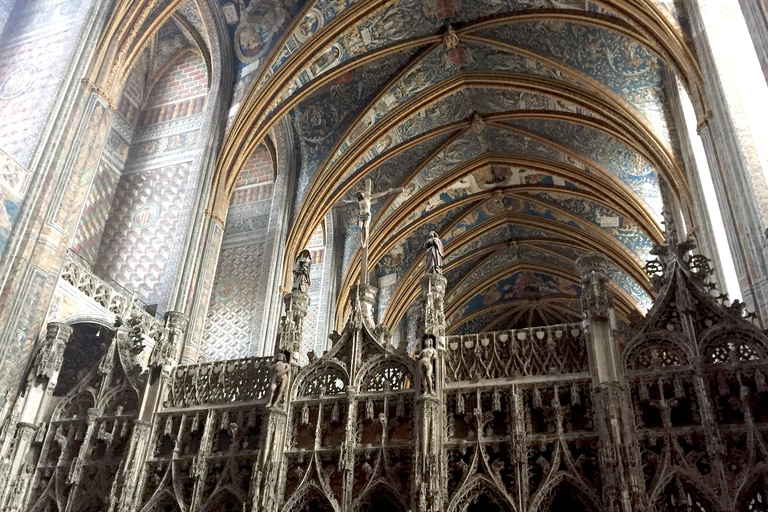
x=309, y=499
x=381, y=499
x=680, y=495
x=223, y=501
x=479, y=495
x=567, y=497
x=85, y=348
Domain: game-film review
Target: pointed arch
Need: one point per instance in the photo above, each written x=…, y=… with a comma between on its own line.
x=381, y=497
x=754, y=496
x=479, y=491
x=567, y=495
x=309, y=498
x=680, y=492
x=163, y=501
x=224, y=500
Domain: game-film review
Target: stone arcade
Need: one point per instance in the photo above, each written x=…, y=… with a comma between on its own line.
x=383, y=256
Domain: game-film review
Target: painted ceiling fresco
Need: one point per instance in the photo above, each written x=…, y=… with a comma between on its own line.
x=538, y=125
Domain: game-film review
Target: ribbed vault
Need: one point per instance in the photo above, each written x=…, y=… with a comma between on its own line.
x=525, y=133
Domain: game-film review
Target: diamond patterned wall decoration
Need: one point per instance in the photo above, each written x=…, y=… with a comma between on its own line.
x=234, y=302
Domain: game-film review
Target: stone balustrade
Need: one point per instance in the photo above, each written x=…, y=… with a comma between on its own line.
x=219, y=382
x=551, y=350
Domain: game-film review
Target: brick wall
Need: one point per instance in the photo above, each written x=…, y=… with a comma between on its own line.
x=258, y=168
x=186, y=78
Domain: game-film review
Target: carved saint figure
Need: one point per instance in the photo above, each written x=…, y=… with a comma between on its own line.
x=434, y=258
x=301, y=280
x=279, y=372
x=426, y=357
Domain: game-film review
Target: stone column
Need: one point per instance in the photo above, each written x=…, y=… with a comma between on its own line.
x=756, y=16
x=266, y=495
x=431, y=471
x=432, y=313
x=19, y=473
x=162, y=361
x=619, y=454
x=734, y=145
x=133, y=467
x=347, y=456
x=200, y=462
x=40, y=238
x=32, y=404
x=75, y=475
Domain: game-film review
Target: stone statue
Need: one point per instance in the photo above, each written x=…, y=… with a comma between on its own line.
x=426, y=357
x=279, y=373
x=301, y=279
x=433, y=263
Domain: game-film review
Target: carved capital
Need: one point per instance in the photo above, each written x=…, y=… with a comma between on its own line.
x=297, y=304
x=25, y=432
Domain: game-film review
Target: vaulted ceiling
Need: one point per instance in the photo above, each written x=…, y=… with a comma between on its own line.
x=524, y=132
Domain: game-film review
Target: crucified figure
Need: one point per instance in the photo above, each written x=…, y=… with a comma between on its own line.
x=364, y=199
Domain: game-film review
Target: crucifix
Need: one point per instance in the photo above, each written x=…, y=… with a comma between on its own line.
x=364, y=198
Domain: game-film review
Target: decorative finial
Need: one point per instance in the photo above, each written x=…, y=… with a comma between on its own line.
x=450, y=38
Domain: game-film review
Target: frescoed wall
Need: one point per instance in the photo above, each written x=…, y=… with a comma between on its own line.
x=5, y=11
x=29, y=79
x=235, y=313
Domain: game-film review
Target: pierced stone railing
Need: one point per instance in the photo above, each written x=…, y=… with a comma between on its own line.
x=219, y=382
x=551, y=350
x=104, y=295
x=14, y=177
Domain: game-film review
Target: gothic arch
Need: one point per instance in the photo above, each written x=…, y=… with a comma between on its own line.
x=380, y=497
x=163, y=501
x=753, y=496
x=321, y=377
x=476, y=488
x=722, y=342
x=669, y=347
x=394, y=371
x=678, y=487
x=565, y=494
x=309, y=498
x=224, y=500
